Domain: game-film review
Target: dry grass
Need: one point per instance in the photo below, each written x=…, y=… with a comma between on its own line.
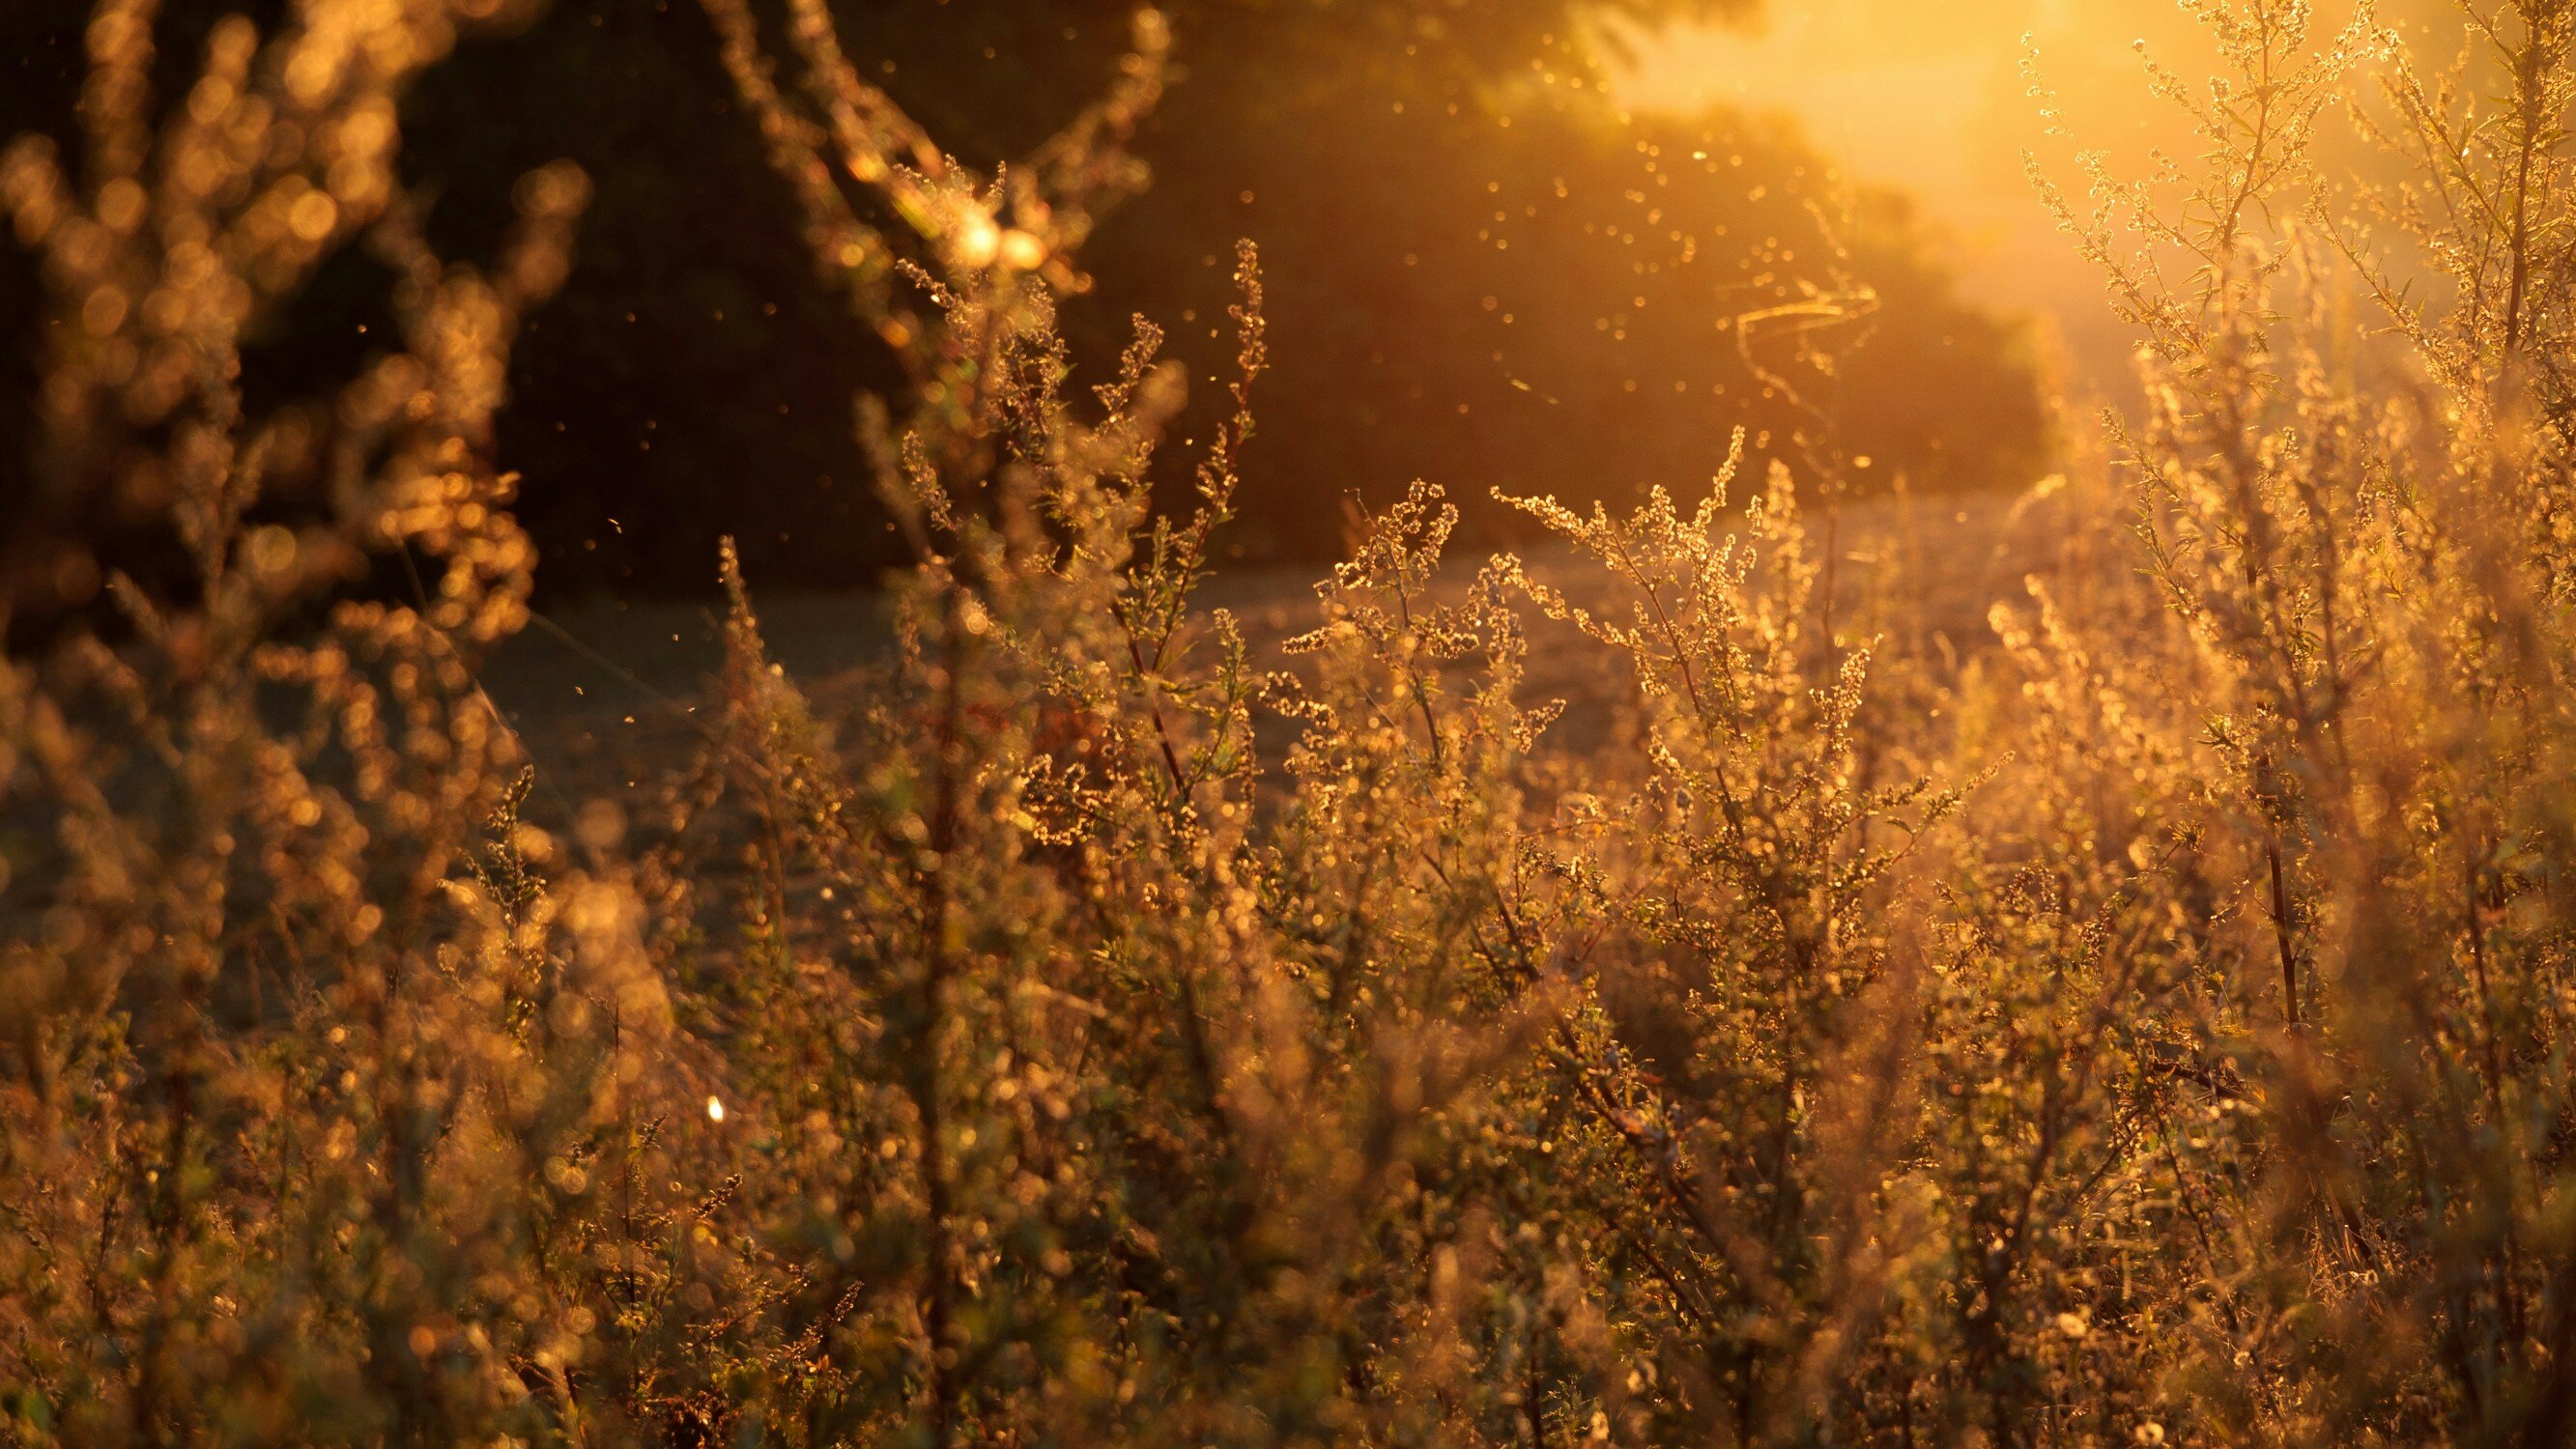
x=1124, y=1007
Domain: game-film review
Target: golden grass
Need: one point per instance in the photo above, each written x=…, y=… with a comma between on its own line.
x=2150, y=1029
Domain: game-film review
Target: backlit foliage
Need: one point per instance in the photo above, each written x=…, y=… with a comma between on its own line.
x=2151, y=1028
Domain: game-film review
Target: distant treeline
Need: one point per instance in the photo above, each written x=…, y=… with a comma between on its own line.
x=1480, y=272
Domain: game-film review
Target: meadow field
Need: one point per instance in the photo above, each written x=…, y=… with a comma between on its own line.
x=1972, y=915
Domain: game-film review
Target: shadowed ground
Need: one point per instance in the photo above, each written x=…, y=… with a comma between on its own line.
x=608, y=696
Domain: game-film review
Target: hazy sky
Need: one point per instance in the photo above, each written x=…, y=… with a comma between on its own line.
x=1930, y=97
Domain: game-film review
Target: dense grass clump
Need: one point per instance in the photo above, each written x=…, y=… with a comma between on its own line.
x=2152, y=1028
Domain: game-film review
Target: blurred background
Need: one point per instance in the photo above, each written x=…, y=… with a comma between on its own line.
x=1507, y=242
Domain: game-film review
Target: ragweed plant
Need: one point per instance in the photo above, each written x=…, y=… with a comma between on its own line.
x=1147, y=1096
x=2356, y=551
x=309, y=1078
x=1090, y=1030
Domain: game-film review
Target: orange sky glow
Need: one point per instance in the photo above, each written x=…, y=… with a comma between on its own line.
x=1929, y=97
